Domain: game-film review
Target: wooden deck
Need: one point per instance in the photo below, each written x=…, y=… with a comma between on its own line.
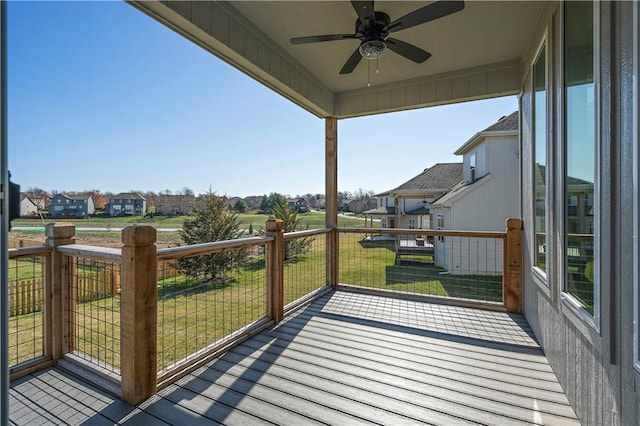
x=345, y=359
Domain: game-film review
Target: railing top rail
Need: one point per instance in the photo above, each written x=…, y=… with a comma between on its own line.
x=306, y=233
x=173, y=253
x=93, y=252
x=428, y=232
x=17, y=253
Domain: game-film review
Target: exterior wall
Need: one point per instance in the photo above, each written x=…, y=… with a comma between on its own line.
x=486, y=207
x=594, y=362
x=62, y=206
x=483, y=207
x=127, y=207
x=167, y=205
x=442, y=254
x=482, y=166
x=28, y=208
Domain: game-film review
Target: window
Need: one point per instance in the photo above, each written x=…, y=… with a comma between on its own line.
x=412, y=224
x=440, y=225
x=540, y=194
x=579, y=177
x=472, y=166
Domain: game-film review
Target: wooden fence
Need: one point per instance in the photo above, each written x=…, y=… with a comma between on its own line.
x=27, y=296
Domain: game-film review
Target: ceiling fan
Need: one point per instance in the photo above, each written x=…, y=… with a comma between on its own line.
x=373, y=29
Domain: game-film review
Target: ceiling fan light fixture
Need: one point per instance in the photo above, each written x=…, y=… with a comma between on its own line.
x=372, y=49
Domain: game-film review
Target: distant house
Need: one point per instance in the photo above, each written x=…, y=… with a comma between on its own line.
x=65, y=205
x=174, y=205
x=488, y=194
x=298, y=204
x=362, y=204
x=27, y=206
x=40, y=198
x=407, y=206
x=126, y=204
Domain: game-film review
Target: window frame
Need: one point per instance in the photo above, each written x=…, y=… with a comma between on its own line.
x=540, y=276
x=472, y=166
x=569, y=303
x=636, y=192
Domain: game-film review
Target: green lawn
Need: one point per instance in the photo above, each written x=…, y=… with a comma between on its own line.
x=313, y=219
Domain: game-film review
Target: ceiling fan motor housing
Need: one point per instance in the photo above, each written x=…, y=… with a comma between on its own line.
x=373, y=30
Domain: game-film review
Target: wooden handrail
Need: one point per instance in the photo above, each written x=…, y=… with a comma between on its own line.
x=173, y=253
x=93, y=252
x=428, y=232
x=22, y=252
x=306, y=233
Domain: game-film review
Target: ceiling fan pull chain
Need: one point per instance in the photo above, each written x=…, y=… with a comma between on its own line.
x=368, y=73
x=377, y=63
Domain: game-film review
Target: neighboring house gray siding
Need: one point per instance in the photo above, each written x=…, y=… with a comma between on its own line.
x=63, y=205
x=127, y=204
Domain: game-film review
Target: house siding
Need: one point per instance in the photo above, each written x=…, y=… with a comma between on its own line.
x=65, y=206
x=593, y=364
x=476, y=209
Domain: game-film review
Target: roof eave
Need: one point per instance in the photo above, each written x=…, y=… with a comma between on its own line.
x=480, y=136
x=419, y=192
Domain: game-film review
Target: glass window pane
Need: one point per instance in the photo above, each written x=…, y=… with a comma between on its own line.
x=580, y=166
x=540, y=155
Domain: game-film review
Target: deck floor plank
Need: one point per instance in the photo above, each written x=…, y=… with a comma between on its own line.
x=346, y=358
x=401, y=386
x=312, y=331
x=370, y=358
x=238, y=395
x=360, y=402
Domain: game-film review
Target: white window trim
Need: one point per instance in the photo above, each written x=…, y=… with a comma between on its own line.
x=569, y=302
x=540, y=276
x=636, y=183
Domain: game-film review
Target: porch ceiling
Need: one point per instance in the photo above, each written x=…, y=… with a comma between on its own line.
x=476, y=53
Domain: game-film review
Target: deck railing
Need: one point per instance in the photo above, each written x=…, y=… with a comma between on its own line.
x=27, y=306
x=465, y=266
x=92, y=283
x=305, y=265
x=218, y=293
x=140, y=317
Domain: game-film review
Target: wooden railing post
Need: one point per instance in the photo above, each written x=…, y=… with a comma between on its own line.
x=275, y=270
x=58, y=309
x=331, y=198
x=513, y=266
x=138, y=314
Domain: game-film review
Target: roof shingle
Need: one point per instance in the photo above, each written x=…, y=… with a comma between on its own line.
x=441, y=176
x=508, y=122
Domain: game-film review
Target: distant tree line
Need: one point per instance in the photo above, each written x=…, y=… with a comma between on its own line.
x=349, y=201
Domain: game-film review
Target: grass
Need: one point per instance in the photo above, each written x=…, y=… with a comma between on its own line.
x=313, y=219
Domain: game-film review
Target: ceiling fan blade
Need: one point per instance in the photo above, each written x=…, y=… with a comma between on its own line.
x=320, y=38
x=428, y=13
x=352, y=62
x=407, y=50
x=364, y=9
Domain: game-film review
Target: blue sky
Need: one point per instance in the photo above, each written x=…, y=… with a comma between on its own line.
x=103, y=97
